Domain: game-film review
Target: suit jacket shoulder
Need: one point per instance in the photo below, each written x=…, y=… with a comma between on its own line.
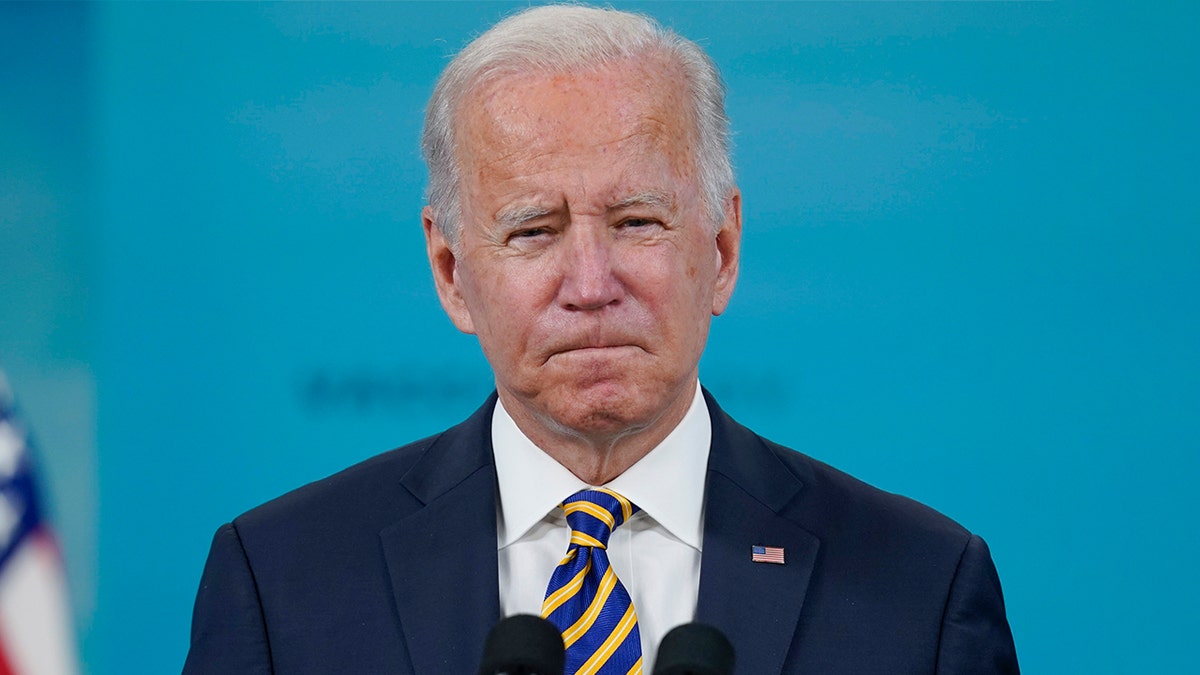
x=352, y=573
x=834, y=502
x=872, y=582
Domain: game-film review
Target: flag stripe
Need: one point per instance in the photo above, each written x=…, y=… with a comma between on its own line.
x=36, y=630
x=767, y=554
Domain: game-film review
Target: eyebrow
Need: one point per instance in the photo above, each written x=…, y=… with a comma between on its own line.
x=512, y=217
x=662, y=200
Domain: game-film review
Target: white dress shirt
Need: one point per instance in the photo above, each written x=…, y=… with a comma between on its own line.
x=656, y=555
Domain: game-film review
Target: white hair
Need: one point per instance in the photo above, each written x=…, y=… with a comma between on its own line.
x=565, y=38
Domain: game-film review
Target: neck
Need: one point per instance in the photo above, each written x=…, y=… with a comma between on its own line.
x=597, y=457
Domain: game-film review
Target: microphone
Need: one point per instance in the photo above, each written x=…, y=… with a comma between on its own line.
x=523, y=644
x=694, y=649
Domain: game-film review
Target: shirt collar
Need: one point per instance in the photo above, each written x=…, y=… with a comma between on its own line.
x=668, y=483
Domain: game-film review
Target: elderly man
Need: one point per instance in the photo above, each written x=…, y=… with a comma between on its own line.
x=585, y=225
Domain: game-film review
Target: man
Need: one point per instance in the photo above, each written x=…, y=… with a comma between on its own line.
x=585, y=225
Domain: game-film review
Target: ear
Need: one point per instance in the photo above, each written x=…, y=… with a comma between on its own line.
x=444, y=263
x=729, y=250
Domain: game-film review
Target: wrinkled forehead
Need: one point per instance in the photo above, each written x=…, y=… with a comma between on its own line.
x=536, y=111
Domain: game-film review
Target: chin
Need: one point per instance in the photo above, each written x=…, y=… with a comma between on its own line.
x=603, y=408
x=598, y=424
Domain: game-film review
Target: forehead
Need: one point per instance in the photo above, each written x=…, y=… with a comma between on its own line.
x=630, y=105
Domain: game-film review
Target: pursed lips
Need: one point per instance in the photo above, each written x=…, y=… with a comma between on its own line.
x=590, y=348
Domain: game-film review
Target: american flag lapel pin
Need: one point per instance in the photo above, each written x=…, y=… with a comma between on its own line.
x=766, y=554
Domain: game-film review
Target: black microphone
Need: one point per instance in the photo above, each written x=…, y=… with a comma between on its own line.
x=694, y=649
x=523, y=644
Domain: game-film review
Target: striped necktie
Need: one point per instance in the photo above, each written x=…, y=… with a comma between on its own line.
x=585, y=599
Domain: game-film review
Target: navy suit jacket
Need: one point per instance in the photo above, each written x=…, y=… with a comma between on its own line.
x=390, y=567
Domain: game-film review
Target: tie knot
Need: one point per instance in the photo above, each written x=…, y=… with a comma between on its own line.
x=594, y=514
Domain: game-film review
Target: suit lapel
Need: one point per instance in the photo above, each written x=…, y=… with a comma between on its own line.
x=442, y=558
x=757, y=605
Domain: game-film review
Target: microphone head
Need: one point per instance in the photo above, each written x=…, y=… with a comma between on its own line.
x=523, y=644
x=694, y=649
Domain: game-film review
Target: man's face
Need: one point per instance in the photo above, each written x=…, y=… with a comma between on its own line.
x=587, y=264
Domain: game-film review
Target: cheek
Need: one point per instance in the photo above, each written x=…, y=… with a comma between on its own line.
x=480, y=299
x=501, y=305
x=681, y=288
x=697, y=278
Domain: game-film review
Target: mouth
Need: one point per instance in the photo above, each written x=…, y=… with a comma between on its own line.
x=598, y=351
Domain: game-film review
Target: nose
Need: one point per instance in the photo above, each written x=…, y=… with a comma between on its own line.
x=589, y=280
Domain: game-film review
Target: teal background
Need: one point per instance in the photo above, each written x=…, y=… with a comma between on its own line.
x=970, y=275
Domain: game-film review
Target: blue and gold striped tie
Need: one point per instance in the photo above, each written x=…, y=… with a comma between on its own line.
x=585, y=599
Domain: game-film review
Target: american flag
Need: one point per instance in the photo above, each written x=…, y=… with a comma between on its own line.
x=36, y=632
x=767, y=554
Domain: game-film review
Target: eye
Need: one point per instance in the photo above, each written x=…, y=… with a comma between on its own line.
x=638, y=222
x=530, y=238
x=529, y=233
